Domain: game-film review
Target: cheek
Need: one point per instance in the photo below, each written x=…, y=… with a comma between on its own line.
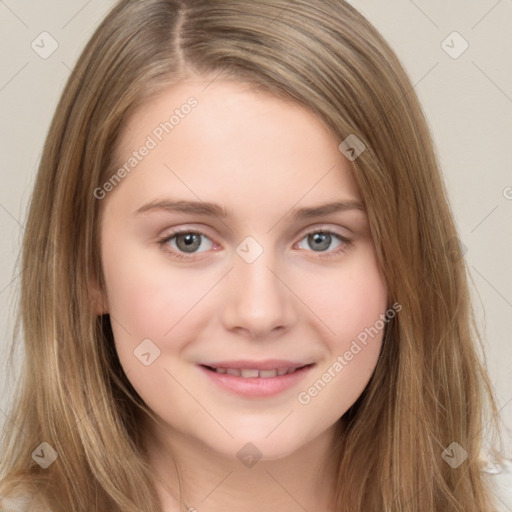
x=347, y=299
x=150, y=302
x=351, y=304
x=149, y=298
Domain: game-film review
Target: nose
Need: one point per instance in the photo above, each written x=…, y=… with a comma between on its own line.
x=258, y=301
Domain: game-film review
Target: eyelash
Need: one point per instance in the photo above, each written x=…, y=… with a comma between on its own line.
x=346, y=243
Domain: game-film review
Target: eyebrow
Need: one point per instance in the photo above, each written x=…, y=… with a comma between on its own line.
x=215, y=210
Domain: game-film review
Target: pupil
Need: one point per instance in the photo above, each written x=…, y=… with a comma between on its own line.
x=319, y=241
x=188, y=242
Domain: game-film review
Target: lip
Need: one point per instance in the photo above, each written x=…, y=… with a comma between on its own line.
x=256, y=387
x=267, y=364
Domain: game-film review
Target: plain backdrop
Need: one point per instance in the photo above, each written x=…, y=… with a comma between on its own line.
x=459, y=57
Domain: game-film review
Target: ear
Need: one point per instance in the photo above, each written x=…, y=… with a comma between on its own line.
x=98, y=298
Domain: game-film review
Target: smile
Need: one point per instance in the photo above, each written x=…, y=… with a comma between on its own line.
x=256, y=379
x=249, y=373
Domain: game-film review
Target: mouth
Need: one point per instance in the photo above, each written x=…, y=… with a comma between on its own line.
x=256, y=379
x=255, y=373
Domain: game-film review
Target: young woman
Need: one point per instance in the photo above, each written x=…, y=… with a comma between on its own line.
x=242, y=287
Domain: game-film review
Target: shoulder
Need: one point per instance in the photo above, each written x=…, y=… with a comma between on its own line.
x=16, y=503
x=20, y=502
x=499, y=478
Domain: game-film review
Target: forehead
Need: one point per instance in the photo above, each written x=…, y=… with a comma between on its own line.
x=226, y=139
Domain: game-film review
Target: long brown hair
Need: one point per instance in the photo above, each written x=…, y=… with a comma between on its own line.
x=429, y=389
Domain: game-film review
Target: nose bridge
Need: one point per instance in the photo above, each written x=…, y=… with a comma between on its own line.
x=258, y=301
x=257, y=279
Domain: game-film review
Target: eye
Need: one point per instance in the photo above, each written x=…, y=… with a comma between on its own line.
x=188, y=242
x=322, y=241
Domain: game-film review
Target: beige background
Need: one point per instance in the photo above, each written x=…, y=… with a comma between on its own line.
x=468, y=101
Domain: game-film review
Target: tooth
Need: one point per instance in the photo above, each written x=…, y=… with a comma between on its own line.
x=267, y=374
x=247, y=373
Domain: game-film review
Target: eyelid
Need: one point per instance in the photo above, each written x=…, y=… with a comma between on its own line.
x=186, y=230
x=163, y=241
x=323, y=228
x=345, y=244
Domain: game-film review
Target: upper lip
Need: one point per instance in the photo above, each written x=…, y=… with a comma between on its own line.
x=268, y=364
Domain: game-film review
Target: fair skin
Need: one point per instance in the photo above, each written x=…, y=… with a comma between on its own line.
x=304, y=299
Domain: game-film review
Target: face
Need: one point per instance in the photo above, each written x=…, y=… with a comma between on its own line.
x=241, y=274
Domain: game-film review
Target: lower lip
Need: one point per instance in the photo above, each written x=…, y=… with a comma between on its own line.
x=257, y=387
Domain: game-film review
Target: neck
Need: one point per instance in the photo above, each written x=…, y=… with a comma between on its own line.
x=191, y=476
